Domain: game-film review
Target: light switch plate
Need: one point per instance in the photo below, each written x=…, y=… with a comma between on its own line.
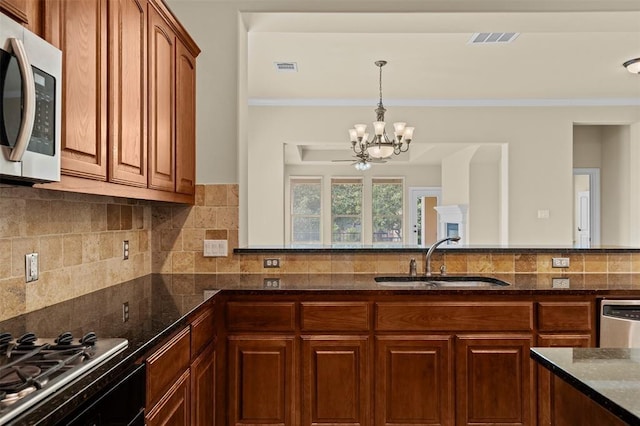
x=215, y=248
x=31, y=267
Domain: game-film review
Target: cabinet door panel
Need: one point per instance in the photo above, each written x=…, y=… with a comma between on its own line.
x=544, y=376
x=335, y=380
x=173, y=409
x=80, y=32
x=203, y=379
x=493, y=379
x=185, y=120
x=28, y=12
x=414, y=380
x=161, y=103
x=261, y=380
x=128, y=89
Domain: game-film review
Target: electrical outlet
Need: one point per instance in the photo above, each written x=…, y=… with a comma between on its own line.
x=125, y=249
x=31, y=267
x=560, y=283
x=271, y=283
x=271, y=263
x=125, y=312
x=560, y=262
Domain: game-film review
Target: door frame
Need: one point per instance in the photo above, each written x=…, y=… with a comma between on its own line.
x=594, y=201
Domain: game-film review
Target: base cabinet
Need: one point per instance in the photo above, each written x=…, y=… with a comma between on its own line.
x=493, y=380
x=335, y=382
x=388, y=360
x=414, y=380
x=174, y=408
x=261, y=380
x=203, y=379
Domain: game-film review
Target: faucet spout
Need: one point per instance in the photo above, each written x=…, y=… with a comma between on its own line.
x=427, y=259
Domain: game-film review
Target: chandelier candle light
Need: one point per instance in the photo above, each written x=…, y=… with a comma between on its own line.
x=380, y=146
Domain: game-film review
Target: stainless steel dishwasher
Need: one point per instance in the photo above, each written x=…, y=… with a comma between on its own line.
x=620, y=323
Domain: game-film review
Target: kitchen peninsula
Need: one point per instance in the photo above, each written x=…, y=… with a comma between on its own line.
x=316, y=343
x=593, y=385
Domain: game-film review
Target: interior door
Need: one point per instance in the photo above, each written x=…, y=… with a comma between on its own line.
x=583, y=219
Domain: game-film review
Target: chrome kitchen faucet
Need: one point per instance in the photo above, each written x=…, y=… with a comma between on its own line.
x=427, y=258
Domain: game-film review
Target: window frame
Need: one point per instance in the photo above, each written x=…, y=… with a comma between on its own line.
x=292, y=181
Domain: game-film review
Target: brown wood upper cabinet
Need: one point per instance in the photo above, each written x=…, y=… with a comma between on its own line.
x=128, y=66
x=80, y=32
x=128, y=92
x=27, y=12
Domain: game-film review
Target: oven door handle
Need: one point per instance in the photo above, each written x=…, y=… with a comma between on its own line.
x=29, y=100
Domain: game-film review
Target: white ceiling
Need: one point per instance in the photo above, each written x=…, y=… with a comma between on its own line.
x=560, y=58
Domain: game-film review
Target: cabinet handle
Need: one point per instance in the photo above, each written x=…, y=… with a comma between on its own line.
x=29, y=102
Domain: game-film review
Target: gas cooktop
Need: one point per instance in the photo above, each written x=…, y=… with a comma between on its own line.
x=32, y=368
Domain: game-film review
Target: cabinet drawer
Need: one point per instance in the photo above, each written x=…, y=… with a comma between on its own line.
x=166, y=365
x=261, y=316
x=453, y=316
x=334, y=316
x=565, y=316
x=565, y=340
x=202, y=331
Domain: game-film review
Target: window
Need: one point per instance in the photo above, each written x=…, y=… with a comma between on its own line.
x=346, y=210
x=305, y=210
x=387, y=210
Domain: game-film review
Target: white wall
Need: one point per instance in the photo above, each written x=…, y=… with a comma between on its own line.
x=540, y=146
x=615, y=185
x=484, y=204
x=539, y=139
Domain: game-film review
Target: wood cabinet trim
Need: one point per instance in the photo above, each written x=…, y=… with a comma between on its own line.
x=566, y=316
x=203, y=331
x=454, y=316
x=166, y=364
x=335, y=316
x=263, y=316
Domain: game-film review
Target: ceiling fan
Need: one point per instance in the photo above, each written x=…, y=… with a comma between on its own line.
x=363, y=161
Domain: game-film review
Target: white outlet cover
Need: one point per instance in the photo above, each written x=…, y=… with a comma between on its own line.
x=215, y=248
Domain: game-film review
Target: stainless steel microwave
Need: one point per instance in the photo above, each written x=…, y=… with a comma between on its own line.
x=30, y=96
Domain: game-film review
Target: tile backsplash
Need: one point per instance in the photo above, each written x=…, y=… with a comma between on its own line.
x=79, y=241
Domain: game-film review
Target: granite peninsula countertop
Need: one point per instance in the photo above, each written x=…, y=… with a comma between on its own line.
x=160, y=304
x=611, y=377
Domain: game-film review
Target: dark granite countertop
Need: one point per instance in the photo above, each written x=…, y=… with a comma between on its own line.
x=611, y=377
x=391, y=248
x=160, y=304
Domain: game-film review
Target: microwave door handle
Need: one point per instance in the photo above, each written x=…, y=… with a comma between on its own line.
x=29, y=101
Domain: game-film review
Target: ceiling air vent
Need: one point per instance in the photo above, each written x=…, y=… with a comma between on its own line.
x=286, y=66
x=492, y=38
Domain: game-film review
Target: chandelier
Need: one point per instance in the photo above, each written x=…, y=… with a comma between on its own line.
x=380, y=146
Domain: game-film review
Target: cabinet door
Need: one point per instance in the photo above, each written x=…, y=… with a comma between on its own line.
x=414, y=380
x=545, y=392
x=128, y=92
x=335, y=380
x=174, y=408
x=185, y=120
x=261, y=376
x=161, y=103
x=80, y=31
x=203, y=379
x=27, y=12
x=493, y=380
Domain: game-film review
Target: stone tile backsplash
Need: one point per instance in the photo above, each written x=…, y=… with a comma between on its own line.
x=79, y=240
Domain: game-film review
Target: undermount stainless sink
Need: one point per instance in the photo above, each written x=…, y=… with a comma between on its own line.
x=441, y=281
